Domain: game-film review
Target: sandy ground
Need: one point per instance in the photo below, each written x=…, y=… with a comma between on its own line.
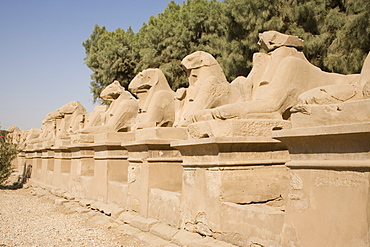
x=29, y=220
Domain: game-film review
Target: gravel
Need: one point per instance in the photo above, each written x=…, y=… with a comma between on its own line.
x=29, y=220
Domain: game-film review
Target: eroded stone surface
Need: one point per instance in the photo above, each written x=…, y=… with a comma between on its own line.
x=156, y=99
x=236, y=127
x=120, y=116
x=273, y=86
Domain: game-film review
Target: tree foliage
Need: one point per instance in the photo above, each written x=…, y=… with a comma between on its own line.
x=110, y=57
x=8, y=151
x=336, y=34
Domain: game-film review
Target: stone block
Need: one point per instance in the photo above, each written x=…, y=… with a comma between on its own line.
x=117, y=192
x=151, y=239
x=236, y=127
x=126, y=217
x=117, y=211
x=164, y=231
x=165, y=206
x=210, y=242
x=114, y=137
x=185, y=238
x=68, y=196
x=129, y=230
x=243, y=222
x=82, y=138
x=165, y=133
x=109, y=208
x=334, y=114
x=142, y=223
x=60, y=201
x=86, y=203
x=82, y=210
x=98, y=205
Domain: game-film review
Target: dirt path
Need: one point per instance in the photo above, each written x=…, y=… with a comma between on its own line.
x=27, y=220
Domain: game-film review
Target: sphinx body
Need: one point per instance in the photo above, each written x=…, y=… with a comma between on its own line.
x=208, y=87
x=155, y=98
x=71, y=117
x=118, y=117
x=275, y=82
x=62, y=123
x=341, y=91
x=14, y=133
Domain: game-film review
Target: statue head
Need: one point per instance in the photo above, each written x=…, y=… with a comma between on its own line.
x=270, y=40
x=145, y=84
x=112, y=91
x=201, y=65
x=71, y=107
x=13, y=129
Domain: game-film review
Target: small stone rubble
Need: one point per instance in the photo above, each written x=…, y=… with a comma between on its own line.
x=93, y=223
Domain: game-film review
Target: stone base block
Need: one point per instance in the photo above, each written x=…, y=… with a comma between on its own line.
x=335, y=114
x=114, y=137
x=49, y=177
x=244, y=225
x=327, y=208
x=165, y=206
x=164, y=133
x=117, y=193
x=164, y=231
x=185, y=238
x=236, y=127
x=65, y=177
x=81, y=187
x=254, y=185
x=82, y=138
x=62, y=142
x=46, y=144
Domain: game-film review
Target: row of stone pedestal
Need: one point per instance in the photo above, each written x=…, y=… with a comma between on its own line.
x=306, y=187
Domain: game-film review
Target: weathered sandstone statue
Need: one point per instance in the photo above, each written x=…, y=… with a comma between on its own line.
x=342, y=91
x=156, y=99
x=14, y=133
x=29, y=136
x=94, y=118
x=275, y=81
x=62, y=123
x=120, y=115
x=48, y=127
x=72, y=116
x=208, y=87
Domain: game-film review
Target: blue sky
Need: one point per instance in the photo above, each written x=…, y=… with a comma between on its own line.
x=41, y=53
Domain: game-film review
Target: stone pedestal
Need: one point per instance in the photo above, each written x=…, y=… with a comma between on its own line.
x=155, y=174
x=236, y=127
x=110, y=167
x=153, y=165
x=21, y=162
x=29, y=153
x=234, y=188
x=329, y=197
x=47, y=166
x=62, y=167
x=82, y=170
x=36, y=159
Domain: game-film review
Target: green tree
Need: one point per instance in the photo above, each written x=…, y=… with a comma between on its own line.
x=8, y=151
x=336, y=34
x=109, y=55
x=180, y=30
x=245, y=20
